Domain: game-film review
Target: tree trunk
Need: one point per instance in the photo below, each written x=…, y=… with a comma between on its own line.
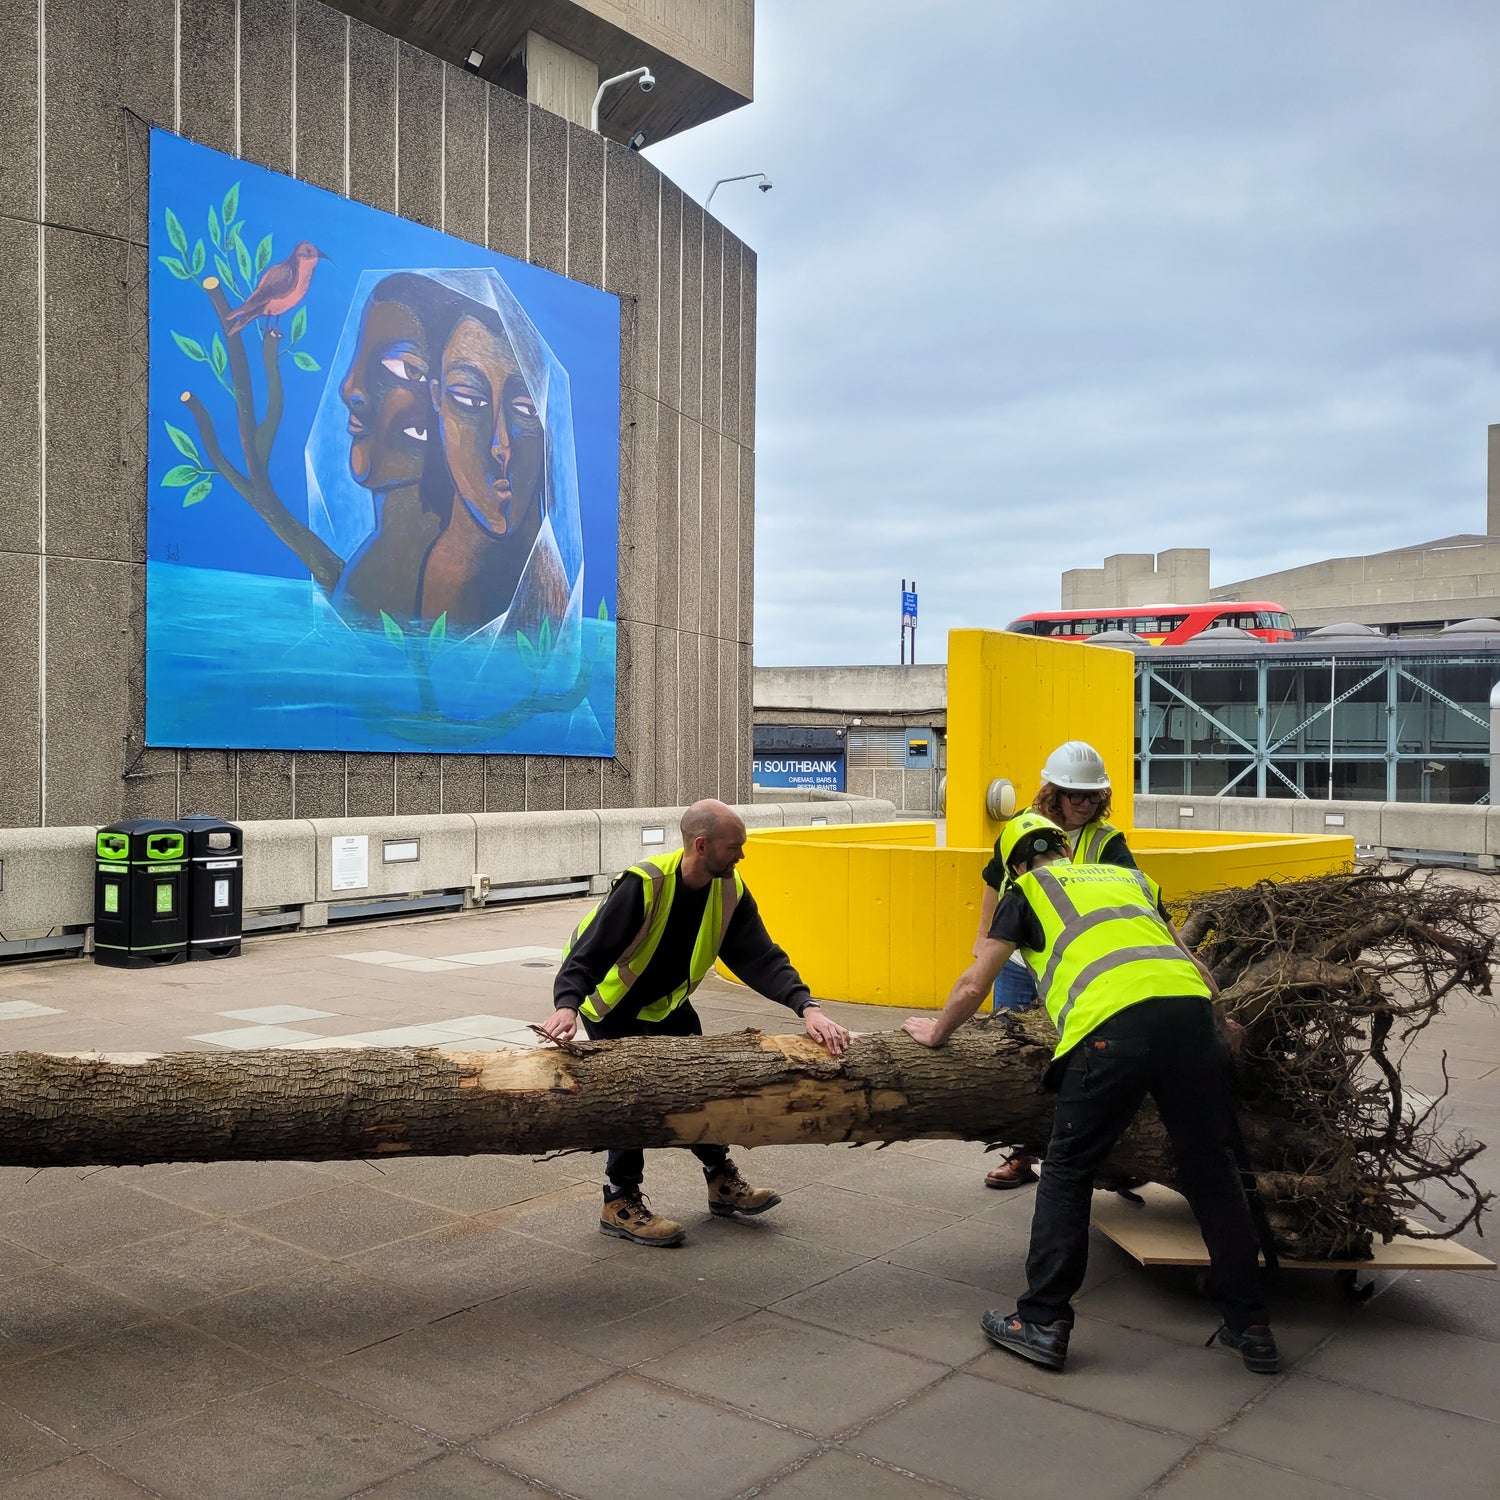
x=745, y=1089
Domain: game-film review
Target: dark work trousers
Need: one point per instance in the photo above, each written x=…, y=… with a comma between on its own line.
x=625, y=1169
x=1172, y=1050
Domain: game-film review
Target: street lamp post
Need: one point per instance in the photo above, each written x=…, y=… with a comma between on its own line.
x=764, y=185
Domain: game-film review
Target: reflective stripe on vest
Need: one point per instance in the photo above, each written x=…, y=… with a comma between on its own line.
x=658, y=876
x=1092, y=839
x=1105, y=946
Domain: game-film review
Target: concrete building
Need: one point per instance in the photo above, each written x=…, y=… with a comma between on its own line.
x=871, y=731
x=1415, y=590
x=372, y=105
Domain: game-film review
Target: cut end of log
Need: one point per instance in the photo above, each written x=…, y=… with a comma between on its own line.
x=210, y=283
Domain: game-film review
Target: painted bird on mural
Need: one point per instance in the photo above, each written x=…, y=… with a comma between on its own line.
x=280, y=288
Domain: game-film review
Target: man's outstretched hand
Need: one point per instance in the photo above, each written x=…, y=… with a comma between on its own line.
x=923, y=1029
x=826, y=1033
x=560, y=1025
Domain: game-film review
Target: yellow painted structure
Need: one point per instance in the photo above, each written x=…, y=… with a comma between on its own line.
x=878, y=913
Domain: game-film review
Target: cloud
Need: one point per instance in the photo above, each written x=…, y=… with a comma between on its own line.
x=1039, y=283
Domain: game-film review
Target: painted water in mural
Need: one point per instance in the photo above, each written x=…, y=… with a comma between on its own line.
x=384, y=476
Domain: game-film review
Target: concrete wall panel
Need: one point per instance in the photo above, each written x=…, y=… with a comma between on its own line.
x=419, y=790
x=322, y=41
x=91, y=609
x=639, y=440
x=583, y=784
x=419, y=137
x=206, y=783
x=445, y=848
x=372, y=117
x=585, y=206
x=745, y=628
x=509, y=127
x=49, y=879
x=747, y=346
x=321, y=785
x=372, y=786
x=462, y=778
x=464, y=181
x=690, y=528
x=20, y=105
x=713, y=323
x=20, y=381
x=669, y=306
x=692, y=309
x=281, y=864
x=206, y=31
x=548, y=240
x=266, y=784
x=504, y=783
x=729, y=341
x=20, y=701
x=267, y=35
x=545, y=783
x=520, y=849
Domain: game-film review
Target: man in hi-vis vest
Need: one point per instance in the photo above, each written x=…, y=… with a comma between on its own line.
x=631, y=968
x=1134, y=1014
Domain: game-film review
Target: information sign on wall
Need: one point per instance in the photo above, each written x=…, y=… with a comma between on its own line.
x=818, y=773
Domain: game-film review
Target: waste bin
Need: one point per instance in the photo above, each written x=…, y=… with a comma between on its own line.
x=140, y=890
x=216, y=858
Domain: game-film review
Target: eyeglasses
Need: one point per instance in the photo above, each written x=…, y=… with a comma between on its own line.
x=1084, y=796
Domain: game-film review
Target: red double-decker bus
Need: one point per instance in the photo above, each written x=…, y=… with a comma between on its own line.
x=1161, y=624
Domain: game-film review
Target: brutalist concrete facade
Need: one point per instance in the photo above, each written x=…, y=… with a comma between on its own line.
x=298, y=87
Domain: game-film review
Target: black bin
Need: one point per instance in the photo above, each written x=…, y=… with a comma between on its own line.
x=216, y=905
x=140, y=894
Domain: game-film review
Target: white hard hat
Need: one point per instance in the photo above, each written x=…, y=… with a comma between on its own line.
x=1077, y=767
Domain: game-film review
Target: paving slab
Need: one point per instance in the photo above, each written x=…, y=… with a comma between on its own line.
x=634, y=1437
x=1211, y=1474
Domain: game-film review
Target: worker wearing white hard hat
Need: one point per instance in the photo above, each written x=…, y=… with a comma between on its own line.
x=1075, y=795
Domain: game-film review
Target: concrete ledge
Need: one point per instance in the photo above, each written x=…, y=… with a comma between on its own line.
x=445, y=850
x=628, y=834
x=1362, y=821
x=281, y=863
x=48, y=876
x=520, y=848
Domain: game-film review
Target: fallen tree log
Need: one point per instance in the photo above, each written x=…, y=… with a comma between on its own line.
x=1328, y=980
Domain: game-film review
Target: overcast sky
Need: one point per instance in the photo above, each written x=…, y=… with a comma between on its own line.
x=1044, y=280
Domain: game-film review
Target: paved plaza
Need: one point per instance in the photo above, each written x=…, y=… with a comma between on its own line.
x=440, y=1329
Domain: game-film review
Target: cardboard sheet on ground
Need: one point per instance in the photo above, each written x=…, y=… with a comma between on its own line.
x=1162, y=1232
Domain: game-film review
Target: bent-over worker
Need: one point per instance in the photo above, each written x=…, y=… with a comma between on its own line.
x=630, y=970
x=1133, y=1010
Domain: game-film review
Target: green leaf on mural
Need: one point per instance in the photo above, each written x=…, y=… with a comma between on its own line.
x=231, y=203
x=182, y=442
x=176, y=267
x=182, y=475
x=175, y=232
x=190, y=347
x=214, y=232
x=439, y=631
x=305, y=361
x=242, y=260
x=263, y=255
x=226, y=275
x=299, y=325
x=527, y=650
x=604, y=610
x=198, y=492
x=545, y=638
x=199, y=256
x=393, y=631
x=220, y=356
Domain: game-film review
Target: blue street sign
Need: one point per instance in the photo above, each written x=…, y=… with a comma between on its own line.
x=908, y=609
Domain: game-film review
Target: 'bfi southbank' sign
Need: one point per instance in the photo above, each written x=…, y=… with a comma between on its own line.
x=818, y=773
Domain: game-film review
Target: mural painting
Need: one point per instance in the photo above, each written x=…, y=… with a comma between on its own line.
x=384, y=476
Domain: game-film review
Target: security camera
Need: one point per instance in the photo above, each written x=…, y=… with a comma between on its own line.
x=764, y=185
x=648, y=81
x=637, y=140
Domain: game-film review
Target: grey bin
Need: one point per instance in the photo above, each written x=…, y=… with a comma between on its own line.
x=216, y=886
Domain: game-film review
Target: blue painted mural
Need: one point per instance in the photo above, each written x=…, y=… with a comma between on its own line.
x=384, y=479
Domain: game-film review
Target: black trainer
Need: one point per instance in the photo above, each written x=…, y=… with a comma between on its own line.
x=1256, y=1345
x=1044, y=1344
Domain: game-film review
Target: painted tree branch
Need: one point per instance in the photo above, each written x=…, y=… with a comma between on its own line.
x=256, y=439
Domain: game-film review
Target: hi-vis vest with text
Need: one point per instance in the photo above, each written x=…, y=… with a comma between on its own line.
x=658, y=877
x=1105, y=946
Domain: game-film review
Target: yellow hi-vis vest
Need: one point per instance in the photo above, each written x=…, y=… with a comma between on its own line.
x=1093, y=839
x=658, y=877
x=1105, y=946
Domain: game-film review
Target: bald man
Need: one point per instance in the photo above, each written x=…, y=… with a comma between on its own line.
x=631, y=968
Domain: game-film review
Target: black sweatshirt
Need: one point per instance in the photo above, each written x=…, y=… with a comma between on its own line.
x=747, y=949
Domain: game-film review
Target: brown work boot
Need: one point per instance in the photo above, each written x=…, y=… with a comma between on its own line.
x=629, y=1217
x=729, y=1194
